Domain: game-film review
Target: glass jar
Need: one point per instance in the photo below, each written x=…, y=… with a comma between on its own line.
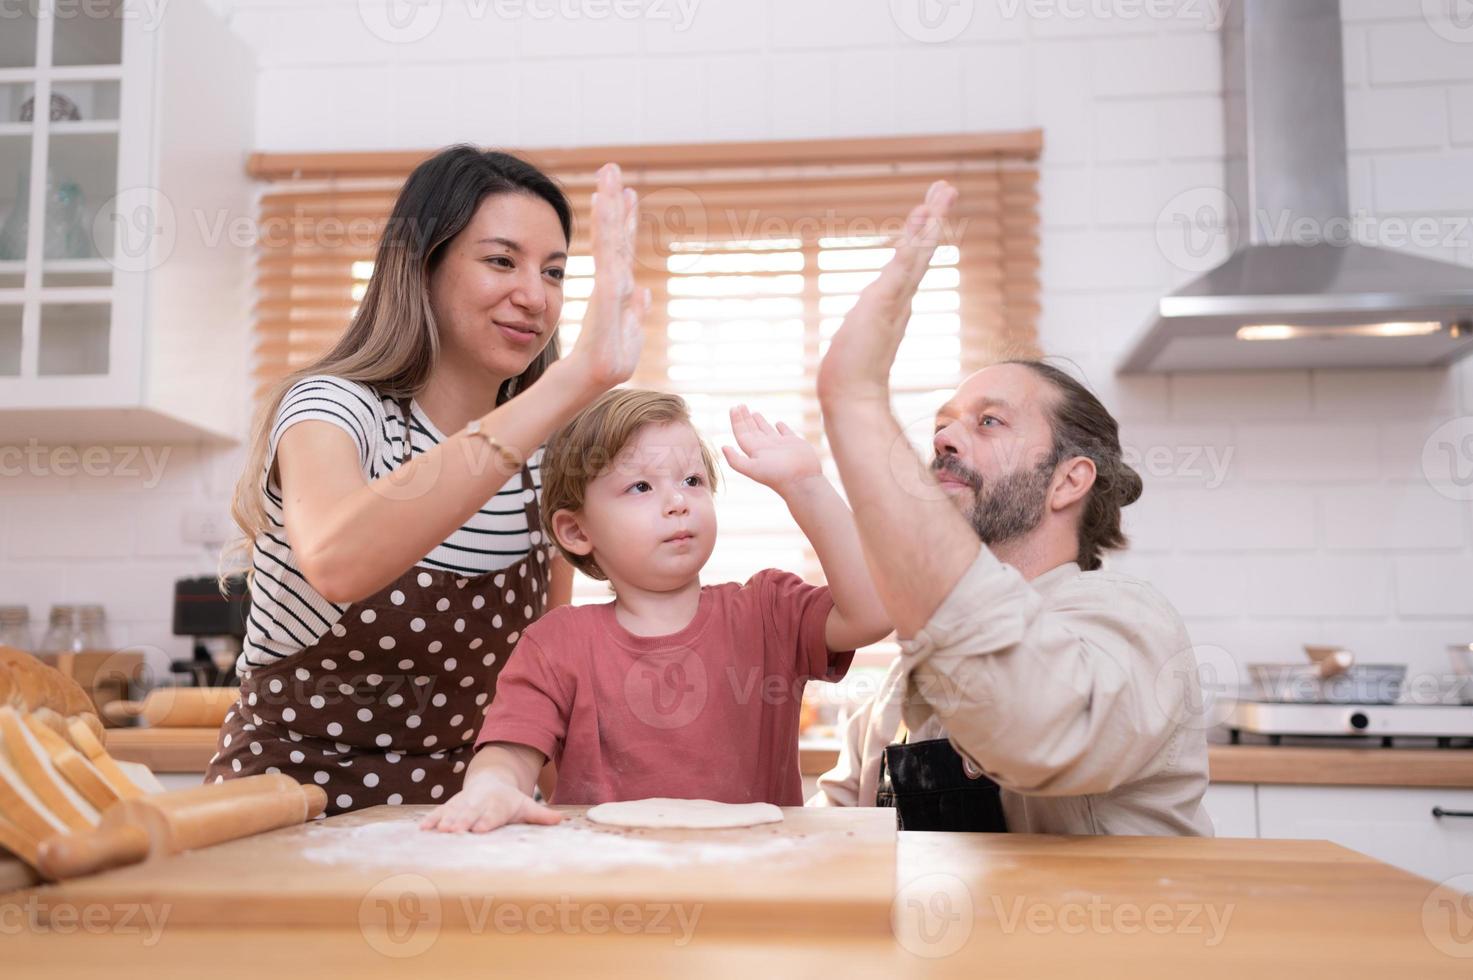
x=74, y=629
x=94, y=627
x=64, y=634
x=15, y=628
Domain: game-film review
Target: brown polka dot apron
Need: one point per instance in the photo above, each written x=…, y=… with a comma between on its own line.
x=385, y=707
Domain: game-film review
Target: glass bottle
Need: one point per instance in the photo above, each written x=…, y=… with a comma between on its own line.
x=92, y=621
x=15, y=628
x=66, y=236
x=64, y=635
x=13, y=230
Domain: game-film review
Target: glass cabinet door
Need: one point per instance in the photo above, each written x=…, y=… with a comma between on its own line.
x=62, y=102
x=18, y=40
x=87, y=33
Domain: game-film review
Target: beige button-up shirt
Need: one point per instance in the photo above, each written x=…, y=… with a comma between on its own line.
x=1077, y=692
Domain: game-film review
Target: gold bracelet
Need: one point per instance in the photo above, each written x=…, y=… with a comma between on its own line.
x=509, y=456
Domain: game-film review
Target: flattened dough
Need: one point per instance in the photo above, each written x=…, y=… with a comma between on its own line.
x=659, y=812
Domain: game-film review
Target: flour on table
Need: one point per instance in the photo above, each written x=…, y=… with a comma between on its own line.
x=662, y=812
x=573, y=845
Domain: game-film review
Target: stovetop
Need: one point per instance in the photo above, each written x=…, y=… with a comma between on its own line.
x=1448, y=725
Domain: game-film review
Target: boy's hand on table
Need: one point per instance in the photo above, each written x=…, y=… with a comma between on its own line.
x=484, y=805
x=778, y=457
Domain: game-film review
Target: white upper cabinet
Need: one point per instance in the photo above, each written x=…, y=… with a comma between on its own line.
x=125, y=215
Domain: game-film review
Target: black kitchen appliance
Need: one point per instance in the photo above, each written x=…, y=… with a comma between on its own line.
x=218, y=624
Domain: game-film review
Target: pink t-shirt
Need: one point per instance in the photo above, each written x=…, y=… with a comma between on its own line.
x=710, y=712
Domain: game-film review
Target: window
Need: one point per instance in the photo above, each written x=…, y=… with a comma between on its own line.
x=754, y=253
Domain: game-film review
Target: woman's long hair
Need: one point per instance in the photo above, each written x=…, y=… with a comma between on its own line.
x=392, y=343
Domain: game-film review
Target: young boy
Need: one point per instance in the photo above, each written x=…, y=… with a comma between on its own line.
x=673, y=689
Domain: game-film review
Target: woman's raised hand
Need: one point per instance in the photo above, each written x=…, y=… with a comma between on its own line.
x=613, y=328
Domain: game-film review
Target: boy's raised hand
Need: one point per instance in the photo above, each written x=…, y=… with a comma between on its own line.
x=775, y=457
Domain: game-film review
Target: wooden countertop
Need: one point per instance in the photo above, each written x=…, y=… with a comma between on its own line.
x=189, y=750
x=967, y=905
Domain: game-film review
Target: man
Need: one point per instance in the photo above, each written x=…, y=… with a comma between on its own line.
x=1035, y=692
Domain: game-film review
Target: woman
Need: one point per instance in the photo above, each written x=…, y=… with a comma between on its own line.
x=390, y=498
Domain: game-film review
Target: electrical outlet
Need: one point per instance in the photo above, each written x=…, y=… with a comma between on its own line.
x=207, y=526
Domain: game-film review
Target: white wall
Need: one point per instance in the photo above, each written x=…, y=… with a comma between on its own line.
x=1324, y=527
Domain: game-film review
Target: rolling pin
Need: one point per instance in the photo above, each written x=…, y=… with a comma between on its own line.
x=176, y=707
x=157, y=826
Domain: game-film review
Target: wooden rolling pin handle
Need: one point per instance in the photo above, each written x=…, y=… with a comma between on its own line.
x=118, y=712
x=316, y=799
x=74, y=855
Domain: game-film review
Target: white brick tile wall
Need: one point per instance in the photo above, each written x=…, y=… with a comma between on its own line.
x=1103, y=260
x=1425, y=184
x=1244, y=519
x=573, y=37
x=1401, y=515
x=1355, y=47
x=1122, y=195
x=928, y=90
x=1382, y=395
x=1100, y=21
x=1254, y=396
x=737, y=103
x=69, y=526
x=994, y=78
x=1127, y=131
x=1420, y=643
x=548, y=100
x=1278, y=509
x=608, y=111
x=1425, y=451
x=1394, y=119
x=1088, y=322
x=1257, y=640
x=1062, y=102
x=1412, y=52
x=1133, y=399
x=1348, y=587
x=1066, y=196
x=1150, y=524
x=1362, y=182
x=832, y=24
x=803, y=96
x=1214, y=587
x=1172, y=64
x=1320, y=453
x=674, y=98
x=995, y=21
x=714, y=27
x=1384, y=10
x=867, y=79
x=1181, y=455
x=1432, y=585
x=1191, y=128
x=1460, y=111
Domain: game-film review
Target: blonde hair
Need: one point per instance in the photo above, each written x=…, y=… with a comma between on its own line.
x=587, y=446
x=392, y=343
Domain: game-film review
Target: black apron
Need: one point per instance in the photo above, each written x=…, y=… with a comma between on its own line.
x=932, y=787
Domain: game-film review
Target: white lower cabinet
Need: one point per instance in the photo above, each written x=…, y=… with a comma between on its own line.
x=1233, y=808
x=1392, y=824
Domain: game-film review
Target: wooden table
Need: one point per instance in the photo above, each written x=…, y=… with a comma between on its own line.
x=967, y=905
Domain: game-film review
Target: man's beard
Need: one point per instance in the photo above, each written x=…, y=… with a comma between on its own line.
x=1009, y=507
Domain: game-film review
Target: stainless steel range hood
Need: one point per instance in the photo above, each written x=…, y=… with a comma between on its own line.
x=1300, y=293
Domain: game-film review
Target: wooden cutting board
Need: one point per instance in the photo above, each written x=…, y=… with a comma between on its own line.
x=822, y=870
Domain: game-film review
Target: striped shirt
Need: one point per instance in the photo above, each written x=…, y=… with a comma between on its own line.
x=287, y=614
